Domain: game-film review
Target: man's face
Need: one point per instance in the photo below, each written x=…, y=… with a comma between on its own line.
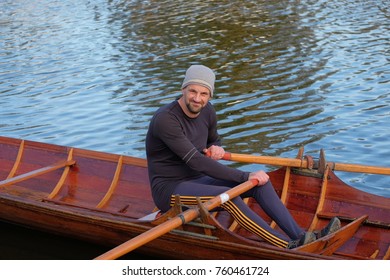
x=196, y=97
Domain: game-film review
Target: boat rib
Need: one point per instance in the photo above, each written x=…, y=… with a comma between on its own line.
x=17, y=160
x=321, y=200
x=285, y=190
x=63, y=176
x=113, y=185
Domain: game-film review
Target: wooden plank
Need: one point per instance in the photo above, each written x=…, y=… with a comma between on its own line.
x=36, y=173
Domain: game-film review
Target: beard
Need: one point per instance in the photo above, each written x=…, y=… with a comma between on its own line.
x=194, y=109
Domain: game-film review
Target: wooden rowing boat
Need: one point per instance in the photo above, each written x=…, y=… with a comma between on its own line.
x=105, y=198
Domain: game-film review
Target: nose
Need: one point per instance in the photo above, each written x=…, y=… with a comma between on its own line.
x=197, y=97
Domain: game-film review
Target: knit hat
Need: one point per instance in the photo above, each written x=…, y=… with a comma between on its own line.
x=200, y=75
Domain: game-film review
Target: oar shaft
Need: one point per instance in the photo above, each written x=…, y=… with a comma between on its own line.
x=361, y=168
x=175, y=222
x=148, y=236
x=303, y=163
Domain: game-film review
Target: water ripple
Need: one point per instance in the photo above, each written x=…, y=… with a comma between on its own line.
x=290, y=73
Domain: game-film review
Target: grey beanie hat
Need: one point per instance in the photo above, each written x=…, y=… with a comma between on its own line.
x=200, y=75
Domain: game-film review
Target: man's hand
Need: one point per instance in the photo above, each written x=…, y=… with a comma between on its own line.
x=214, y=152
x=260, y=176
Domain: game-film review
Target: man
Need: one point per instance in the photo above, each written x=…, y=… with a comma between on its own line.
x=179, y=137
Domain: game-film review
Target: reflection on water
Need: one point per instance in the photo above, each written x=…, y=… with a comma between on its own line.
x=19, y=243
x=290, y=73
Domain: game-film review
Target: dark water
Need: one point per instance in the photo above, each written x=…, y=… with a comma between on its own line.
x=18, y=243
x=90, y=74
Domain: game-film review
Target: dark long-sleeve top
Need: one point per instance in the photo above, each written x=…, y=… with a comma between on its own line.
x=174, y=145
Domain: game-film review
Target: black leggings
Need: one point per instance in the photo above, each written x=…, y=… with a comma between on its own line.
x=207, y=187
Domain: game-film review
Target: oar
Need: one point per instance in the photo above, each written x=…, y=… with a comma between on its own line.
x=303, y=163
x=175, y=222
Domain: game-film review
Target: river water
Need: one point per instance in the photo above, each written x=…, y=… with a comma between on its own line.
x=90, y=74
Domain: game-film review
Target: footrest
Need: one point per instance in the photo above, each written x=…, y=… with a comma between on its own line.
x=327, y=245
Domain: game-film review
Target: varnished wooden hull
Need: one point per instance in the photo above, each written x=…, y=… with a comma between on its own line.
x=102, y=197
